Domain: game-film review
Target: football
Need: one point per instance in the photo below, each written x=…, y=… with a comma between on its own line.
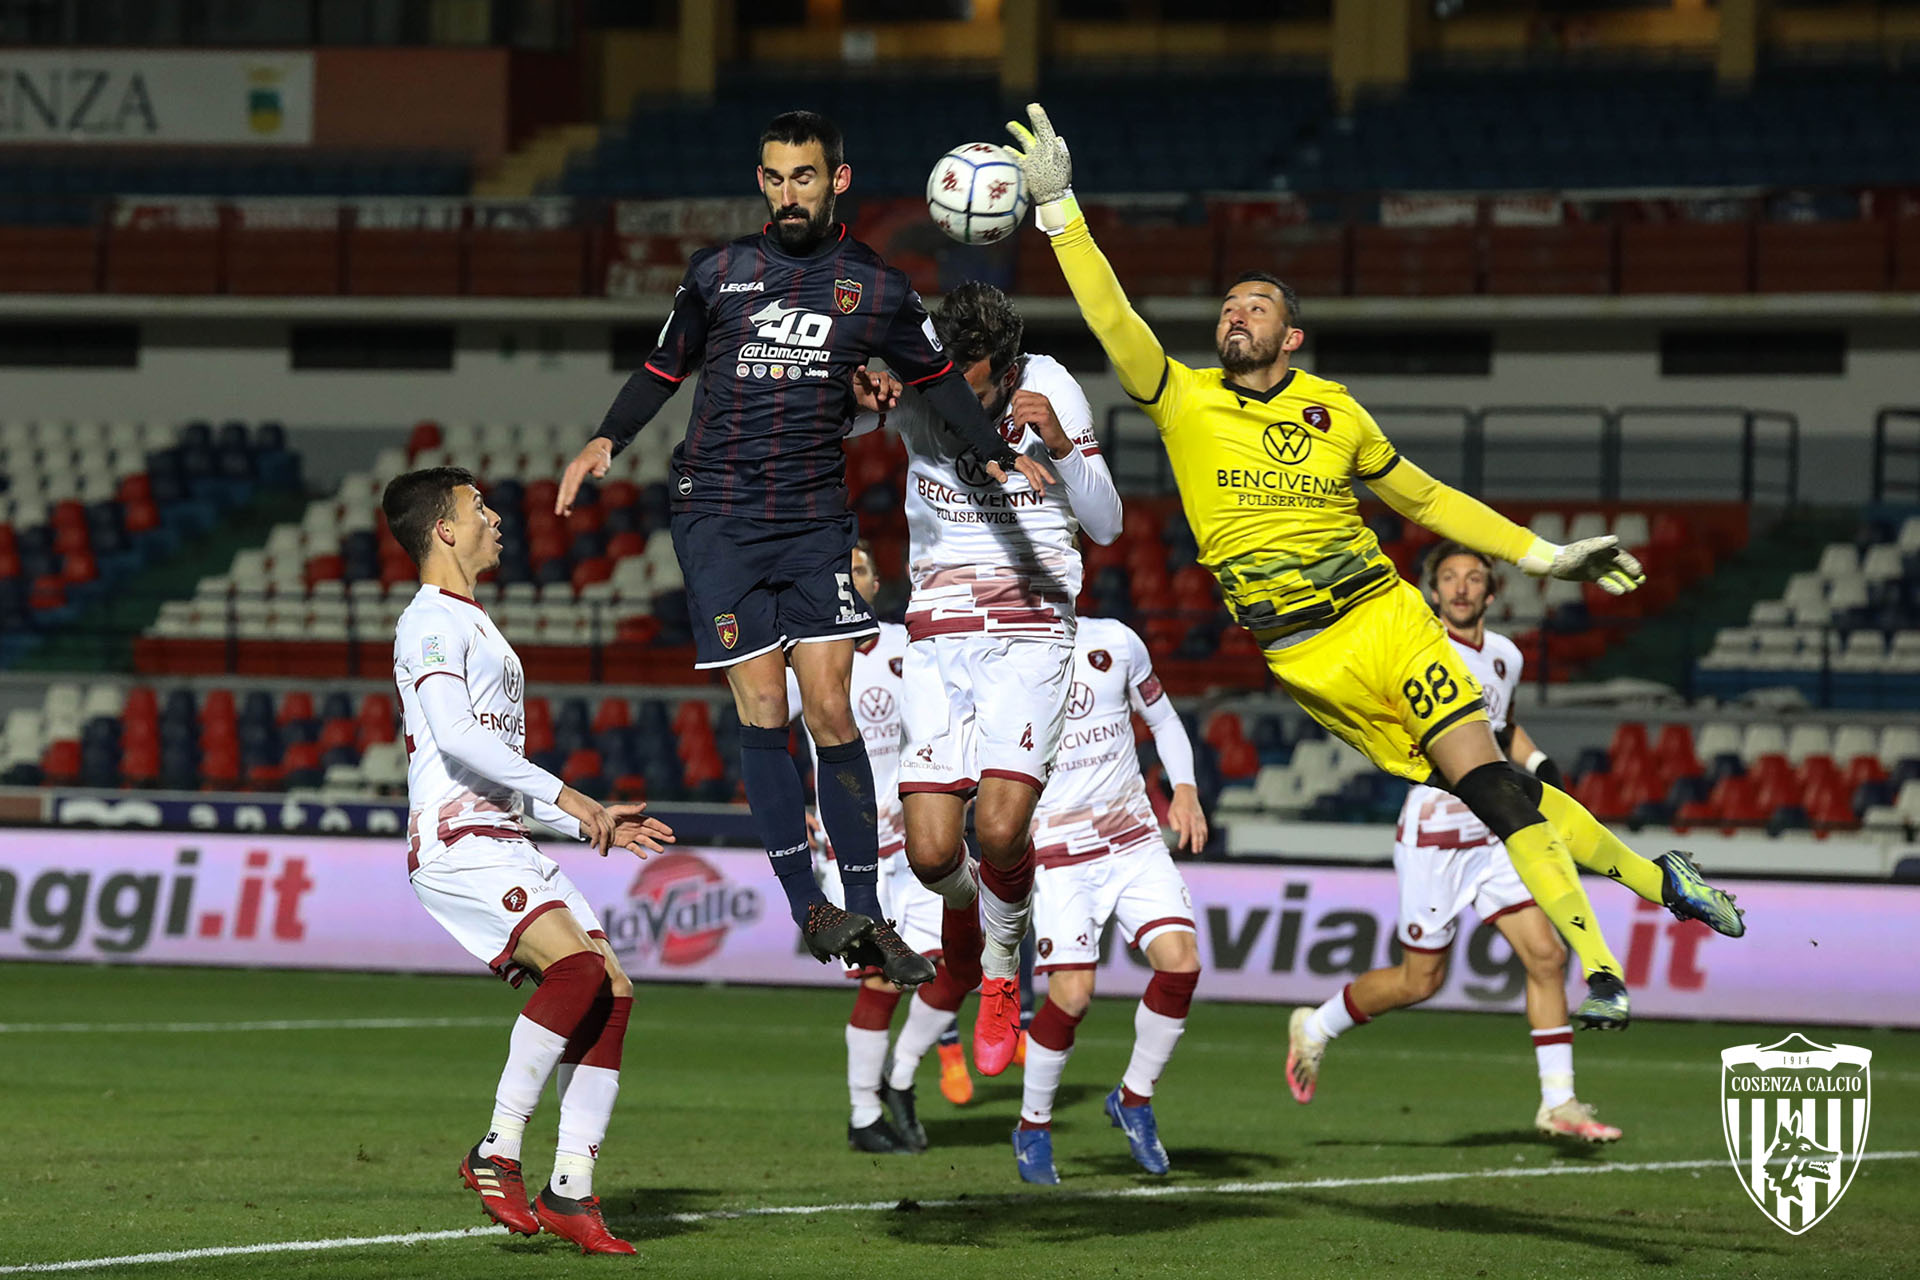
x=976, y=193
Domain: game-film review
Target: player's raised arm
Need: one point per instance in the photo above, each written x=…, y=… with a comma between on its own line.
x=677, y=354
x=1452, y=514
x=1136, y=353
x=1066, y=429
x=1170, y=743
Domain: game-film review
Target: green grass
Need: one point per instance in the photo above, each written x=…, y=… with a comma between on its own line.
x=136, y=1141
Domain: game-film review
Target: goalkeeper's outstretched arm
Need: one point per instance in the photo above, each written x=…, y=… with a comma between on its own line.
x=1466, y=520
x=1136, y=354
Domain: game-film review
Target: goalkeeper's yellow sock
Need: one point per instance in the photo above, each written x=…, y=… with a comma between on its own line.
x=1546, y=867
x=1598, y=849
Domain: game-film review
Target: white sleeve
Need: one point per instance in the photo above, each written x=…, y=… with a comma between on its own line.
x=554, y=816
x=1089, y=485
x=456, y=731
x=1170, y=739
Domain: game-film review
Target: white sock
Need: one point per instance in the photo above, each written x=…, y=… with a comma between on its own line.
x=958, y=887
x=1330, y=1019
x=532, y=1053
x=572, y=1175
x=924, y=1026
x=1041, y=1081
x=1154, y=1037
x=1004, y=924
x=866, y=1056
x=1553, y=1051
x=586, y=1108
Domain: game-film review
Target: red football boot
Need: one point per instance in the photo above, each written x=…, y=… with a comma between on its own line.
x=996, y=1028
x=578, y=1221
x=502, y=1194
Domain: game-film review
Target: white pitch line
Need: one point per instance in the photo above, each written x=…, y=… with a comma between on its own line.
x=276, y=1024
x=885, y=1206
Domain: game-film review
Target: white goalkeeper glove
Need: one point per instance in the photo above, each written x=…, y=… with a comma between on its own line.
x=1596, y=560
x=1047, y=169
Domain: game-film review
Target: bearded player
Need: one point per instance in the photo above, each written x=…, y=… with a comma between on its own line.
x=990, y=625
x=1446, y=859
x=1101, y=857
x=779, y=325
x=1265, y=456
x=884, y=1118
x=473, y=867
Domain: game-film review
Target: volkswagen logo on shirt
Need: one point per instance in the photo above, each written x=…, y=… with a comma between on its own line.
x=1079, y=701
x=971, y=470
x=511, y=682
x=1287, y=442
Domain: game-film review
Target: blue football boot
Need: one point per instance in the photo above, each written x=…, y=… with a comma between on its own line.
x=1033, y=1156
x=1143, y=1135
x=1690, y=897
x=1606, y=1005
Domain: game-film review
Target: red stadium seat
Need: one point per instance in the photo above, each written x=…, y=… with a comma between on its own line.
x=692, y=716
x=220, y=767
x=539, y=737
x=613, y=713
x=586, y=520
x=1629, y=743
x=1865, y=769
x=218, y=705
x=48, y=593
x=303, y=756
x=142, y=703
x=338, y=733
x=630, y=786
x=622, y=545
x=539, y=712
x=616, y=494
x=70, y=539
x=1736, y=800
x=325, y=569
x=1239, y=760
x=140, y=764
x=1829, y=807
x=425, y=435
x=61, y=762
x=141, y=515
x=79, y=566
x=583, y=763
x=587, y=572
x=1221, y=728
x=540, y=497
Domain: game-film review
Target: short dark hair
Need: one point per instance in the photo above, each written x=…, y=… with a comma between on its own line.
x=1444, y=551
x=978, y=322
x=1288, y=297
x=418, y=500
x=865, y=547
x=797, y=127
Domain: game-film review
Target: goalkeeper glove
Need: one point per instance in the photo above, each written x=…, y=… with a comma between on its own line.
x=1047, y=169
x=1596, y=560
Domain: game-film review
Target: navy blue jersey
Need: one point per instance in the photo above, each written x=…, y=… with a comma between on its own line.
x=775, y=339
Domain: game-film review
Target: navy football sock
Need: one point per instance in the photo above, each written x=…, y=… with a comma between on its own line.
x=779, y=805
x=843, y=781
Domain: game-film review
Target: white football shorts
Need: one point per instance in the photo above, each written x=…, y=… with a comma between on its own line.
x=486, y=890
x=983, y=706
x=1072, y=903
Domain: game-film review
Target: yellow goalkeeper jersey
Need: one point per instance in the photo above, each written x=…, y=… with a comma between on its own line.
x=1266, y=479
x=1267, y=484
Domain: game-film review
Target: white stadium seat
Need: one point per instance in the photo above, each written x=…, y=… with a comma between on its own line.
x=1762, y=740
x=1839, y=560
x=1808, y=740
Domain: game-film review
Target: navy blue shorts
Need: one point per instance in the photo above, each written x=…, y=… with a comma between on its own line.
x=758, y=585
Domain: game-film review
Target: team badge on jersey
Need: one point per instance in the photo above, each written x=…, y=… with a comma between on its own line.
x=1099, y=659
x=1316, y=417
x=514, y=900
x=729, y=628
x=895, y=665
x=846, y=295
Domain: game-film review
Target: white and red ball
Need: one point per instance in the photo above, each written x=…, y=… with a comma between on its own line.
x=976, y=193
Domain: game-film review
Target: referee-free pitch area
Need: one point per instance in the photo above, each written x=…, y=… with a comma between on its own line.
x=157, y=1112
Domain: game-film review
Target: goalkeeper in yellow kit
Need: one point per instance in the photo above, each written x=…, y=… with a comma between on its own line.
x=1265, y=456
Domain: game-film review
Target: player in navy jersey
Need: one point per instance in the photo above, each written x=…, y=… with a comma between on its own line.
x=780, y=326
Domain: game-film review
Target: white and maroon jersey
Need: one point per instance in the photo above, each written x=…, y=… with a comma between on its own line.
x=1437, y=819
x=999, y=558
x=445, y=635
x=1096, y=801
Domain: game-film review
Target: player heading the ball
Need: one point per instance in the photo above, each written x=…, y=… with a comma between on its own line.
x=1265, y=456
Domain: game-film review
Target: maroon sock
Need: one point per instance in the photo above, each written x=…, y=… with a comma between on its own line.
x=1010, y=884
x=1028, y=1124
x=599, y=1044
x=944, y=992
x=1353, y=1010
x=569, y=989
x=1053, y=1027
x=873, y=1010
x=1171, y=994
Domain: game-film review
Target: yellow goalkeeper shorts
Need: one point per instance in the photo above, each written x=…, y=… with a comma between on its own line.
x=1384, y=679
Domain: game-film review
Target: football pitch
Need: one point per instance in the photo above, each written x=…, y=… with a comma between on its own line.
x=168, y=1112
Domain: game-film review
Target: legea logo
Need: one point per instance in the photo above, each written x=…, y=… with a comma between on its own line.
x=678, y=912
x=1795, y=1118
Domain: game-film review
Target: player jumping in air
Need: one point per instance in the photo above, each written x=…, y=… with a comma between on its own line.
x=1446, y=859
x=1101, y=857
x=778, y=325
x=990, y=625
x=1265, y=456
x=884, y=1115
x=475, y=871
